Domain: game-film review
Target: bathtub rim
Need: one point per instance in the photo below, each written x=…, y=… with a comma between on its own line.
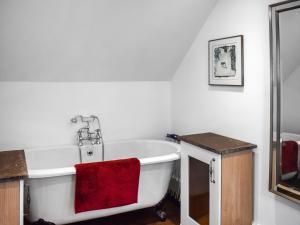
x=65, y=171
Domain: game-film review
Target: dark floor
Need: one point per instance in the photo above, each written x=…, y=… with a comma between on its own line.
x=294, y=182
x=140, y=217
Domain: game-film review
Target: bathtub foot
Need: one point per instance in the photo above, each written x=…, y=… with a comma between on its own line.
x=42, y=222
x=161, y=215
x=158, y=210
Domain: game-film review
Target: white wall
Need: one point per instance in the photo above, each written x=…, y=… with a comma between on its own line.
x=289, y=41
x=96, y=40
x=290, y=70
x=290, y=103
x=238, y=112
x=38, y=114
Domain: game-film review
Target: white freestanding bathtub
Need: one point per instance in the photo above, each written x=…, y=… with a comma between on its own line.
x=52, y=176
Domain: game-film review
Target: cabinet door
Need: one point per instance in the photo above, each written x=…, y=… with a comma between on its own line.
x=200, y=186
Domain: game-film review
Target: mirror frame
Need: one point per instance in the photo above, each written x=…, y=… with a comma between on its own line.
x=275, y=106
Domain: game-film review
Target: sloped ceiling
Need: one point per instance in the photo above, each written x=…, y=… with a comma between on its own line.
x=289, y=42
x=97, y=40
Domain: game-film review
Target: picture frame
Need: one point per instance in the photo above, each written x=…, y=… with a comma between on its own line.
x=226, y=61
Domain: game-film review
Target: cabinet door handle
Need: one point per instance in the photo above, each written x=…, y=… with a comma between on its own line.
x=212, y=171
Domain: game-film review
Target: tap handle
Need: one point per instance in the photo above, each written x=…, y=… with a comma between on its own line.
x=90, y=134
x=80, y=138
x=80, y=134
x=98, y=133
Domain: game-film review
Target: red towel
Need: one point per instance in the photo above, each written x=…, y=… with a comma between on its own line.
x=289, y=157
x=102, y=185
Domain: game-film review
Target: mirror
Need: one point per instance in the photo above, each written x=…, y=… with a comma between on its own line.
x=285, y=100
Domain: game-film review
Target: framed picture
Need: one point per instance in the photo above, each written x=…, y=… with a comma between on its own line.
x=226, y=63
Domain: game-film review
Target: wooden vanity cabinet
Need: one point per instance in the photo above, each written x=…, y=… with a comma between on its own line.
x=12, y=172
x=217, y=180
x=11, y=202
x=237, y=188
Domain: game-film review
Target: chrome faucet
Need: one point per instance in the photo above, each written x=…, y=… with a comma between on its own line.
x=84, y=134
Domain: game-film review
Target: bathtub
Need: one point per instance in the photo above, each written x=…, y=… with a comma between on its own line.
x=51, y=176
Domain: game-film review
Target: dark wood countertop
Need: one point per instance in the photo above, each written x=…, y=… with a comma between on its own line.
x=12, y=165
x=217, y=143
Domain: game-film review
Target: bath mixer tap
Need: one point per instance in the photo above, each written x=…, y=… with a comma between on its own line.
x=84, y=134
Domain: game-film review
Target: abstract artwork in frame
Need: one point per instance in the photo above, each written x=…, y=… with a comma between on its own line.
x=226, y=61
